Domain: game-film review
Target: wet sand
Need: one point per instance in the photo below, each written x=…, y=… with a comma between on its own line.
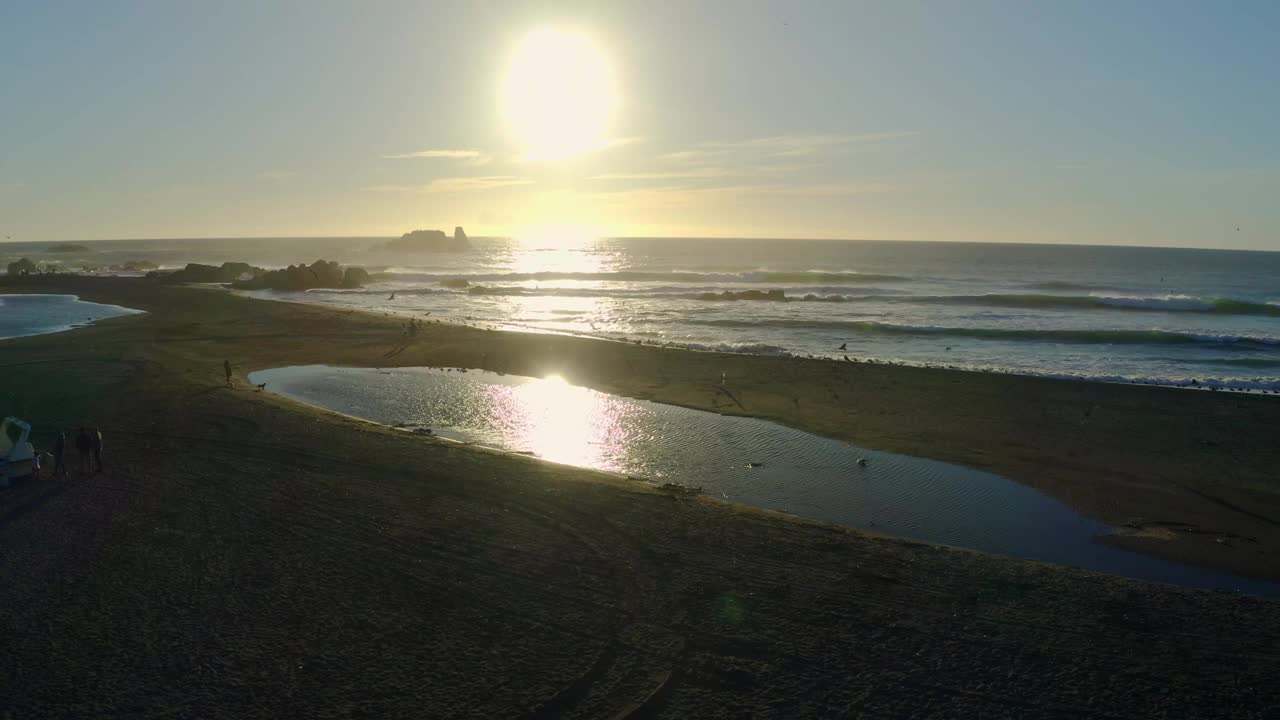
x=245, y=556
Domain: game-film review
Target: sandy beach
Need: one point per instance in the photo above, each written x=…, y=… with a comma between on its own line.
x=246, y=556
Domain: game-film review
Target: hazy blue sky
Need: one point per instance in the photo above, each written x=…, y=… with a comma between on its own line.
x=1100, y=122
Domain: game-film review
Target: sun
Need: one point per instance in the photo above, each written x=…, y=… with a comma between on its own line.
x=558, y=95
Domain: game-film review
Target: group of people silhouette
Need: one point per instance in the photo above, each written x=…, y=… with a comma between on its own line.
x=88, y=447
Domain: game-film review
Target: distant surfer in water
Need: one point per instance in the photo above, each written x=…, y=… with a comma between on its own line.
x=226, y=366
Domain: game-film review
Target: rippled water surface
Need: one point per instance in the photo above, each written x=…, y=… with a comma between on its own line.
x=39, y=314
x=1154, y=315
x=740, y=459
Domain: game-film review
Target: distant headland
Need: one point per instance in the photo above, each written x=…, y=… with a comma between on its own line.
x=429, y=241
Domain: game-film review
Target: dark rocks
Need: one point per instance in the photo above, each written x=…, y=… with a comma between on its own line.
x=355, y=277
x=198, y=273
x=22, y=267
x=319, y=274
x=429, y=241
x=767, y=295
x=136, y=266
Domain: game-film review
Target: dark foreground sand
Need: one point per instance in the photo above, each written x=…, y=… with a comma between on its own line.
x=247, y=557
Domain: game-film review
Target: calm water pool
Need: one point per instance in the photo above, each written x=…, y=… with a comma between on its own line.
x=745, y=460
x=22, y=315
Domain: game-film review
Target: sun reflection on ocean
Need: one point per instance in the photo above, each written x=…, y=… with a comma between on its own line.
x=559, y=253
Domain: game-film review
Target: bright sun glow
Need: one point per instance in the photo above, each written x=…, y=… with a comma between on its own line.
x=558, y=95
x=566, y=424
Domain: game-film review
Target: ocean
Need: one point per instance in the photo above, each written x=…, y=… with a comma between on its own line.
x=1201, y=318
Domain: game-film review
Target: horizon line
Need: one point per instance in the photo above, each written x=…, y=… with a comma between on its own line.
x=644, y=237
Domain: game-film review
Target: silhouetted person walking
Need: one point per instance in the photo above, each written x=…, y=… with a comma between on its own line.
x=226, y=365
x=60, y=456
x=95, y=443
x=83, y=447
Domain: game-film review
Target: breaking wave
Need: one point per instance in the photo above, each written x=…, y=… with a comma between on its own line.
x=739, y=348
x=1099, y=337
x=677, y=276
x=1164, y=303
x=1058, y=285
x=713, y=292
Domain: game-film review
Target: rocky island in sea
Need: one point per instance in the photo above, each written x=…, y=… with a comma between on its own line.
x=429, y=241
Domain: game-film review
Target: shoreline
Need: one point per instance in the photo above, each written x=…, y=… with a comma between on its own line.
x=1129, y=455
x=125, y=312
x=1227, y=385
x=244, y=555
x=1176, y=573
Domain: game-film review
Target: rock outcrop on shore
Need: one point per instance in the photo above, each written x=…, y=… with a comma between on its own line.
x=768, y=295
x=22, y=267
x=429, y=241
x=319, y=274
x=136, y=266
x=199, y=273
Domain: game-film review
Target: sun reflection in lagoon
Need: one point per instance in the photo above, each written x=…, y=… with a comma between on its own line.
x=563, y=423
x=800, y=473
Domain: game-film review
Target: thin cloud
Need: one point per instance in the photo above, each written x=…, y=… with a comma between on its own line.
x=829, y=189
x=453, y=185
x=622, y=142
x=685, y=156
x=780, y=146
x=706, y=172
x=678, y=196
x=474, y=156
x=603, y=145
